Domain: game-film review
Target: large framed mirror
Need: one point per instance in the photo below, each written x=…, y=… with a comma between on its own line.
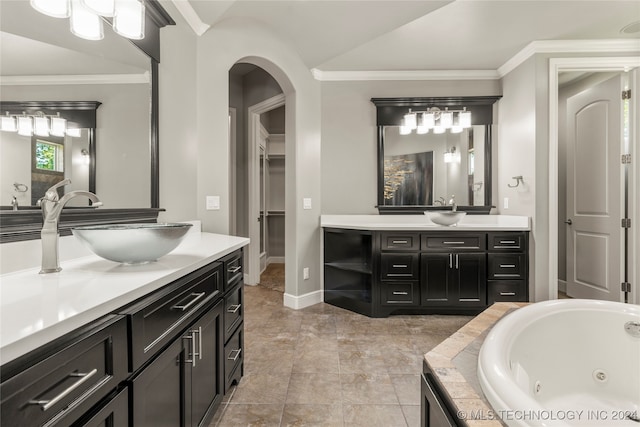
x=47, y=69
x=427, y=160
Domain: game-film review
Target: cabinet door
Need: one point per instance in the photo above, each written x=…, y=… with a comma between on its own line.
x=113, y=414
x=470, y=276
x=204, y=365
x=436, y=280
x=158, y=400
x=433, y=412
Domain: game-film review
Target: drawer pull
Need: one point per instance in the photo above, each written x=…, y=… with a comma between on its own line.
x=186, y=306
x=507, y=275
x=400, y=266
x=83, y=377
x=507, y=242
x=234, y=270
x=399, y=242
x=507, y=294
x=453, y=243
x=400, y=293
x=234, y=308
x=507, y=266
x=235, y=356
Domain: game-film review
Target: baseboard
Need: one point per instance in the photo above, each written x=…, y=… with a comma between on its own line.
x=562, y=286
x=275, y=260
x=302, y=301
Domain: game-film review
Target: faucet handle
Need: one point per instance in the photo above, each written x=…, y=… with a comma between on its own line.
x=51, y=194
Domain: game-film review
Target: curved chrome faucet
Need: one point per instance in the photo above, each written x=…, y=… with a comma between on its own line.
x=52, y=206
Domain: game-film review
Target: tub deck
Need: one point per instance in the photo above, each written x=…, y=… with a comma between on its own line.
x=454, y=364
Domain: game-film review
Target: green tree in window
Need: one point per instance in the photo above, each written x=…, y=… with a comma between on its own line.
x=45, y=156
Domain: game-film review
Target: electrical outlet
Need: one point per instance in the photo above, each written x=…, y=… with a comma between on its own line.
x=505, y=203
x=306, y=203
x=305, y=273
x=213, y=203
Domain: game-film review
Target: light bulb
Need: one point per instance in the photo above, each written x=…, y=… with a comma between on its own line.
x=58, y=126
x=128, y=19
x=53, y=8
x=405, y=130
x=446, y=119
x=410, y=120
x=25, y=126
x=41, y=126
x=8, y=123
x=84, y=23
x=429, y=120
x=438, y=129
x=464, y=119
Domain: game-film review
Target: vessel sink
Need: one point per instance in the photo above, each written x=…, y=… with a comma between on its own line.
x=132, y=243
x=446, y=218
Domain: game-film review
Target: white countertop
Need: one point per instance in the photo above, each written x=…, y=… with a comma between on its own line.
x=37, y=308
x=422, y=222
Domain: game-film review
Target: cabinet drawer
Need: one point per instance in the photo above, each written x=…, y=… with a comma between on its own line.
x=506, y=266
x=233, y=269
x=453, y=241
x=400, y=241
x=233, y=310
x=400, y=293
x=507, y=241
x=506, y=290
x=399, y=266
x=158, y=319
x=233, y=357
x=66, y=383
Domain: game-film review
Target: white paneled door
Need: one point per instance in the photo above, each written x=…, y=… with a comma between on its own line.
x=594, y=192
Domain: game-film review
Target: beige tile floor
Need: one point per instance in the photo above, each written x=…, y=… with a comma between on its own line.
x=325, y=366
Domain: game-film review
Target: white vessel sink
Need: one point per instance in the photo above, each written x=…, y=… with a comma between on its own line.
x=446, y=218
x=132, y=243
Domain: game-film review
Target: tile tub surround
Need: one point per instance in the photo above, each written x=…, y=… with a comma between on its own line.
x=37, y=308
x=454, y=362
x=423, y=223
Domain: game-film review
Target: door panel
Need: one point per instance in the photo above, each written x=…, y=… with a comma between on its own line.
x=594, y=189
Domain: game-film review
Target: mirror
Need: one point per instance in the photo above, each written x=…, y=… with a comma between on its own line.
x=418, y=172
x=42, y=62
x=429, y=169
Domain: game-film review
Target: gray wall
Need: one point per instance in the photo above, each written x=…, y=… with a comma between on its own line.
x=122, y=136
x=349, y=135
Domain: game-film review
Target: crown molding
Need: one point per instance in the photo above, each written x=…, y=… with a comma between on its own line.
x=190, y=15
x=568, y=46
x=536, y=47
x=404, y=75
x=86, y=79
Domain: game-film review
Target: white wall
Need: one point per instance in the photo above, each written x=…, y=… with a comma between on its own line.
x=349, y=135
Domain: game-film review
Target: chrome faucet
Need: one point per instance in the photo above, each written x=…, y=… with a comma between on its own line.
x=52, y=206
x=452, y=202
x=14, y=203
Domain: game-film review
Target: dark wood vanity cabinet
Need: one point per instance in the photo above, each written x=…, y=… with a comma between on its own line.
x=378, y=273
x=159, y=361
x=434, y=407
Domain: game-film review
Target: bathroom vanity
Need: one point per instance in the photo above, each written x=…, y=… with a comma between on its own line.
x=102, y=343
x=379, y=265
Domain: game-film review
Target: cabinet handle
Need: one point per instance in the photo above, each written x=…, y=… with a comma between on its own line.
x=507, y=266
x=234, y=357
x=453, y=243
x=457, y=263
x=192, y=337
x=507, y=294
x=46, y=404
x=199, y=353
x=400, y=266
x=450, y=261
x=234, y=270
x=399, y=242
x=234, y=308
x=184, y=307
x=507, y=242
x=400, y=293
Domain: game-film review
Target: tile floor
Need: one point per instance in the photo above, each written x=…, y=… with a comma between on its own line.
x=325, y=366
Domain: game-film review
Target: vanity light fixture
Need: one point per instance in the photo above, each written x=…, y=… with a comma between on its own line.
x=39, y=124
x=436, y=119
x=86, y=16
x=452, y=156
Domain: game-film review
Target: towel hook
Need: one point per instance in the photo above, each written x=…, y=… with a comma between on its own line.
x=519, y=181
x=20, y=188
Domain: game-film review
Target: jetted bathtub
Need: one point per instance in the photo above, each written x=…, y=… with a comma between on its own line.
x=563, y=363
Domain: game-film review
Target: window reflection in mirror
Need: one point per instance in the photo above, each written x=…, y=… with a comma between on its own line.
x=416, y=172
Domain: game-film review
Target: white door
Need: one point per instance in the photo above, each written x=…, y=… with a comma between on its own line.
x=594, y=192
